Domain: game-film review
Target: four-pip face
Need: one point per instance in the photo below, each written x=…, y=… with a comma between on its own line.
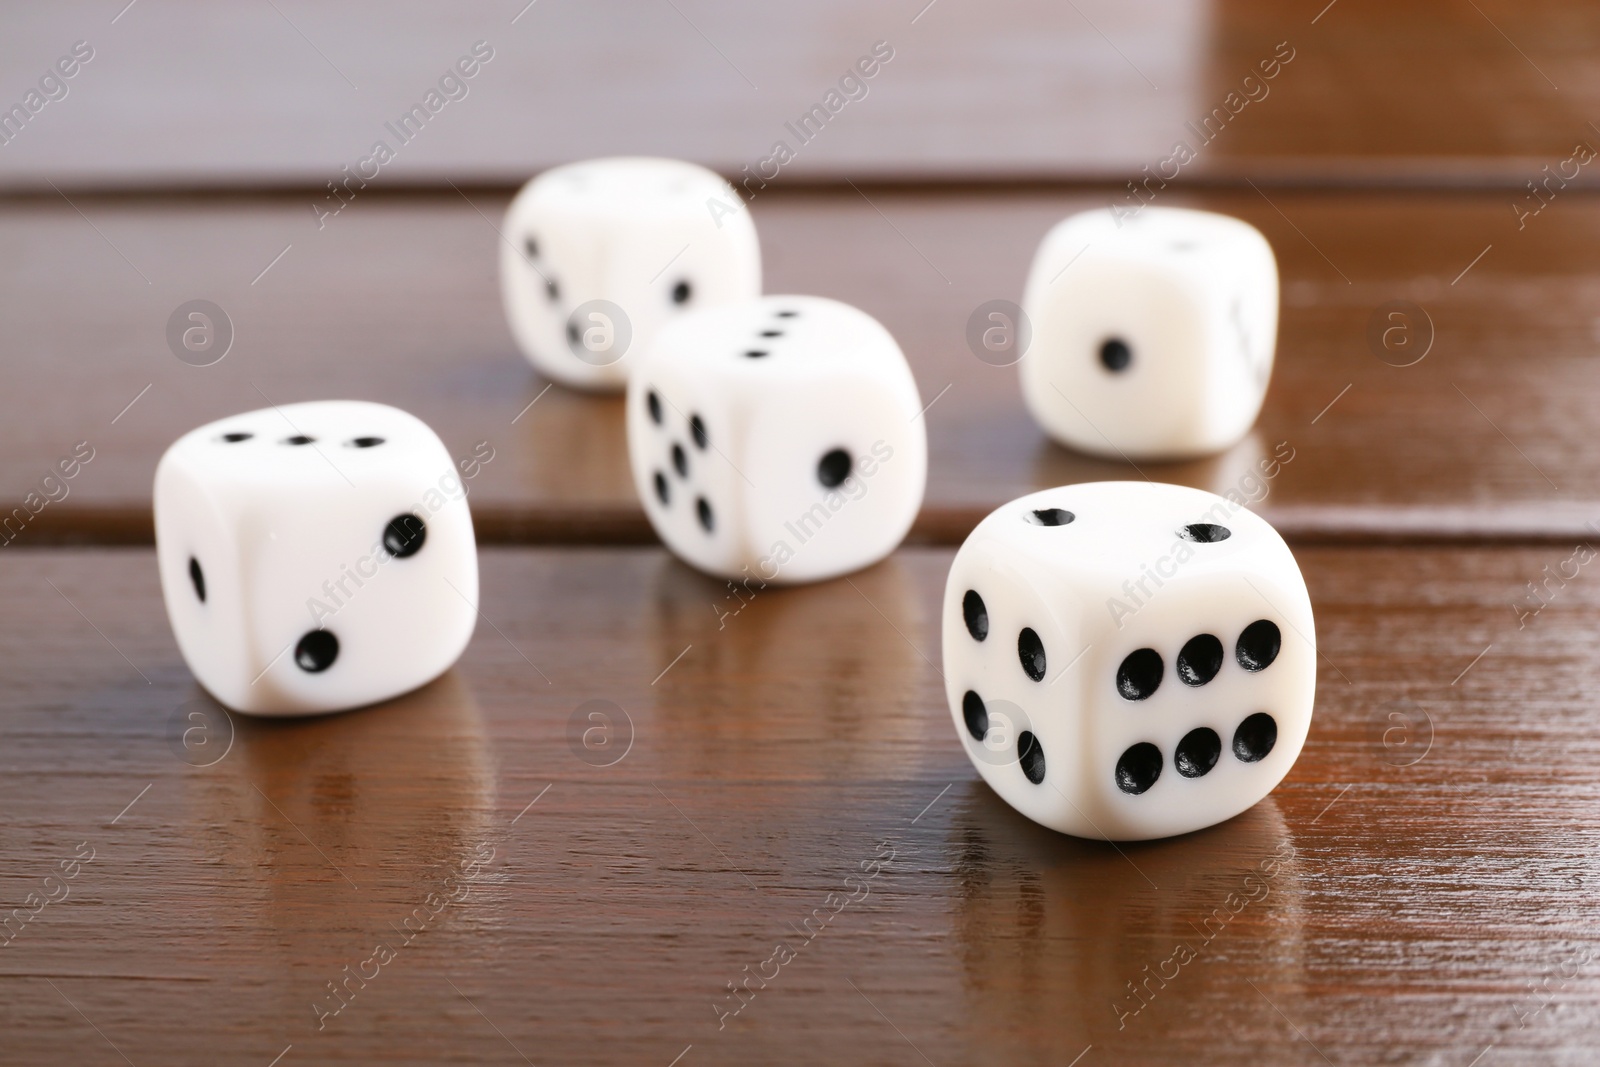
x=1128, y=660
x=315, y=557
x=1152, y=335
x=599, y=255
x=777, y=438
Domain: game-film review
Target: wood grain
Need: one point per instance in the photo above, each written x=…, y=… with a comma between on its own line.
x=1435, y=859
x=637, y=783
x=396, y=300
x=184, y=94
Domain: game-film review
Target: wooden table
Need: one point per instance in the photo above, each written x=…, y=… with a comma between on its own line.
x=1432, y=849
x=625, y=796
x=1426, y=93
x=397, y=301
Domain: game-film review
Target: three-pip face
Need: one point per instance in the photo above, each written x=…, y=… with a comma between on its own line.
x=599, y=255
x=1128, y=660
x=315, y=557
x=1152, y=335
x=777, y=438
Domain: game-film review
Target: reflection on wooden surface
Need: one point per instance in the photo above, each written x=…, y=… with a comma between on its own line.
x=393, y=798
x=673, y=783
x=1430, y=90
x=1403, y=91
x=1111, y=935
x=840, y=652
x=1429, y=883
x=400, y=306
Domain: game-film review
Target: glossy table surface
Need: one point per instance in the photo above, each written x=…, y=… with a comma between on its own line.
x=397, y=300
x=648, y=802
x=636, y=790
x=285, y=94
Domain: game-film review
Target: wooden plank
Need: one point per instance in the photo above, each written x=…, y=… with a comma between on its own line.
x=1433, y=852
x=288, y=93
x=396, y=300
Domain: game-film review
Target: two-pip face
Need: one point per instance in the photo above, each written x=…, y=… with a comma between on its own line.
x=1128, y=660
x=599, y=255
x=777, y=437
x=1152, y=335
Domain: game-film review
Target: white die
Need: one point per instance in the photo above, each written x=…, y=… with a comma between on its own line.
x=1117, y=667
x=1152, y=336
x=651, y=237
x=292, y=567
x=777, y=438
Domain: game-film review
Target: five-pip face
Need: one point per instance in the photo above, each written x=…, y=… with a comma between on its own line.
x=777, y=437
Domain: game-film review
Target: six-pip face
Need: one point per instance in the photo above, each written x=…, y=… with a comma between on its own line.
x=1150, y=649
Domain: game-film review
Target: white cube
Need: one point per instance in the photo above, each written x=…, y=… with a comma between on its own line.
x=779, y=438
x=1128, y=660
x=1152, y=336
x=315, y=557
x=599, y=255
